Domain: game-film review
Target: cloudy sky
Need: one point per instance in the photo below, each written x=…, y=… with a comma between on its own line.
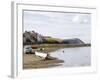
x=59, y=24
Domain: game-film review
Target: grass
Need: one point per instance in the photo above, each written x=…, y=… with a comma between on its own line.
x=53, y=40
x=61, y=45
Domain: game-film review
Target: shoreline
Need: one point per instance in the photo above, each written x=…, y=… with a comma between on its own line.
x=30, y=61
x=58, y=45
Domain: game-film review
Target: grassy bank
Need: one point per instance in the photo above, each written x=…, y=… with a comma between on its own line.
x=60, y=45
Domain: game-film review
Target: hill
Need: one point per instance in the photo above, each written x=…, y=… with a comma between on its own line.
x=32, y=37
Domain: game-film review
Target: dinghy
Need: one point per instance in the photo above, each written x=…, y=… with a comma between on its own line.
x=44, y=56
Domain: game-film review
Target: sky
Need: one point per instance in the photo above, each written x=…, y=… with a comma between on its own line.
x=63, y=25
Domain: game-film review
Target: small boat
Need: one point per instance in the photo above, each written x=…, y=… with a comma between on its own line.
x=34, y=46
x=44, y=56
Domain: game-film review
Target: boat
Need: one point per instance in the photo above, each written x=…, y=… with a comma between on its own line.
x=44, y=56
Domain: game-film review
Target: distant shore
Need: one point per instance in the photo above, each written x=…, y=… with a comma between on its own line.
x=59, y=45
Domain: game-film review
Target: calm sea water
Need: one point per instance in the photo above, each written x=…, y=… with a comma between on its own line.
x=74, y=56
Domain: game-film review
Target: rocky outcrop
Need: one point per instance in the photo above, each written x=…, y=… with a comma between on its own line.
x=32, y=37
x=28, y=38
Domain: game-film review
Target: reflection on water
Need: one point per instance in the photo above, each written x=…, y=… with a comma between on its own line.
x=74, y=56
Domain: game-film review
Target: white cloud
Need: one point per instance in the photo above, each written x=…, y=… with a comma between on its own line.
x=81, y=18
x=76, y=19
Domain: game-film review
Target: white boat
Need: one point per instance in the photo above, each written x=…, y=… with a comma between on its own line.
x=42, y=55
